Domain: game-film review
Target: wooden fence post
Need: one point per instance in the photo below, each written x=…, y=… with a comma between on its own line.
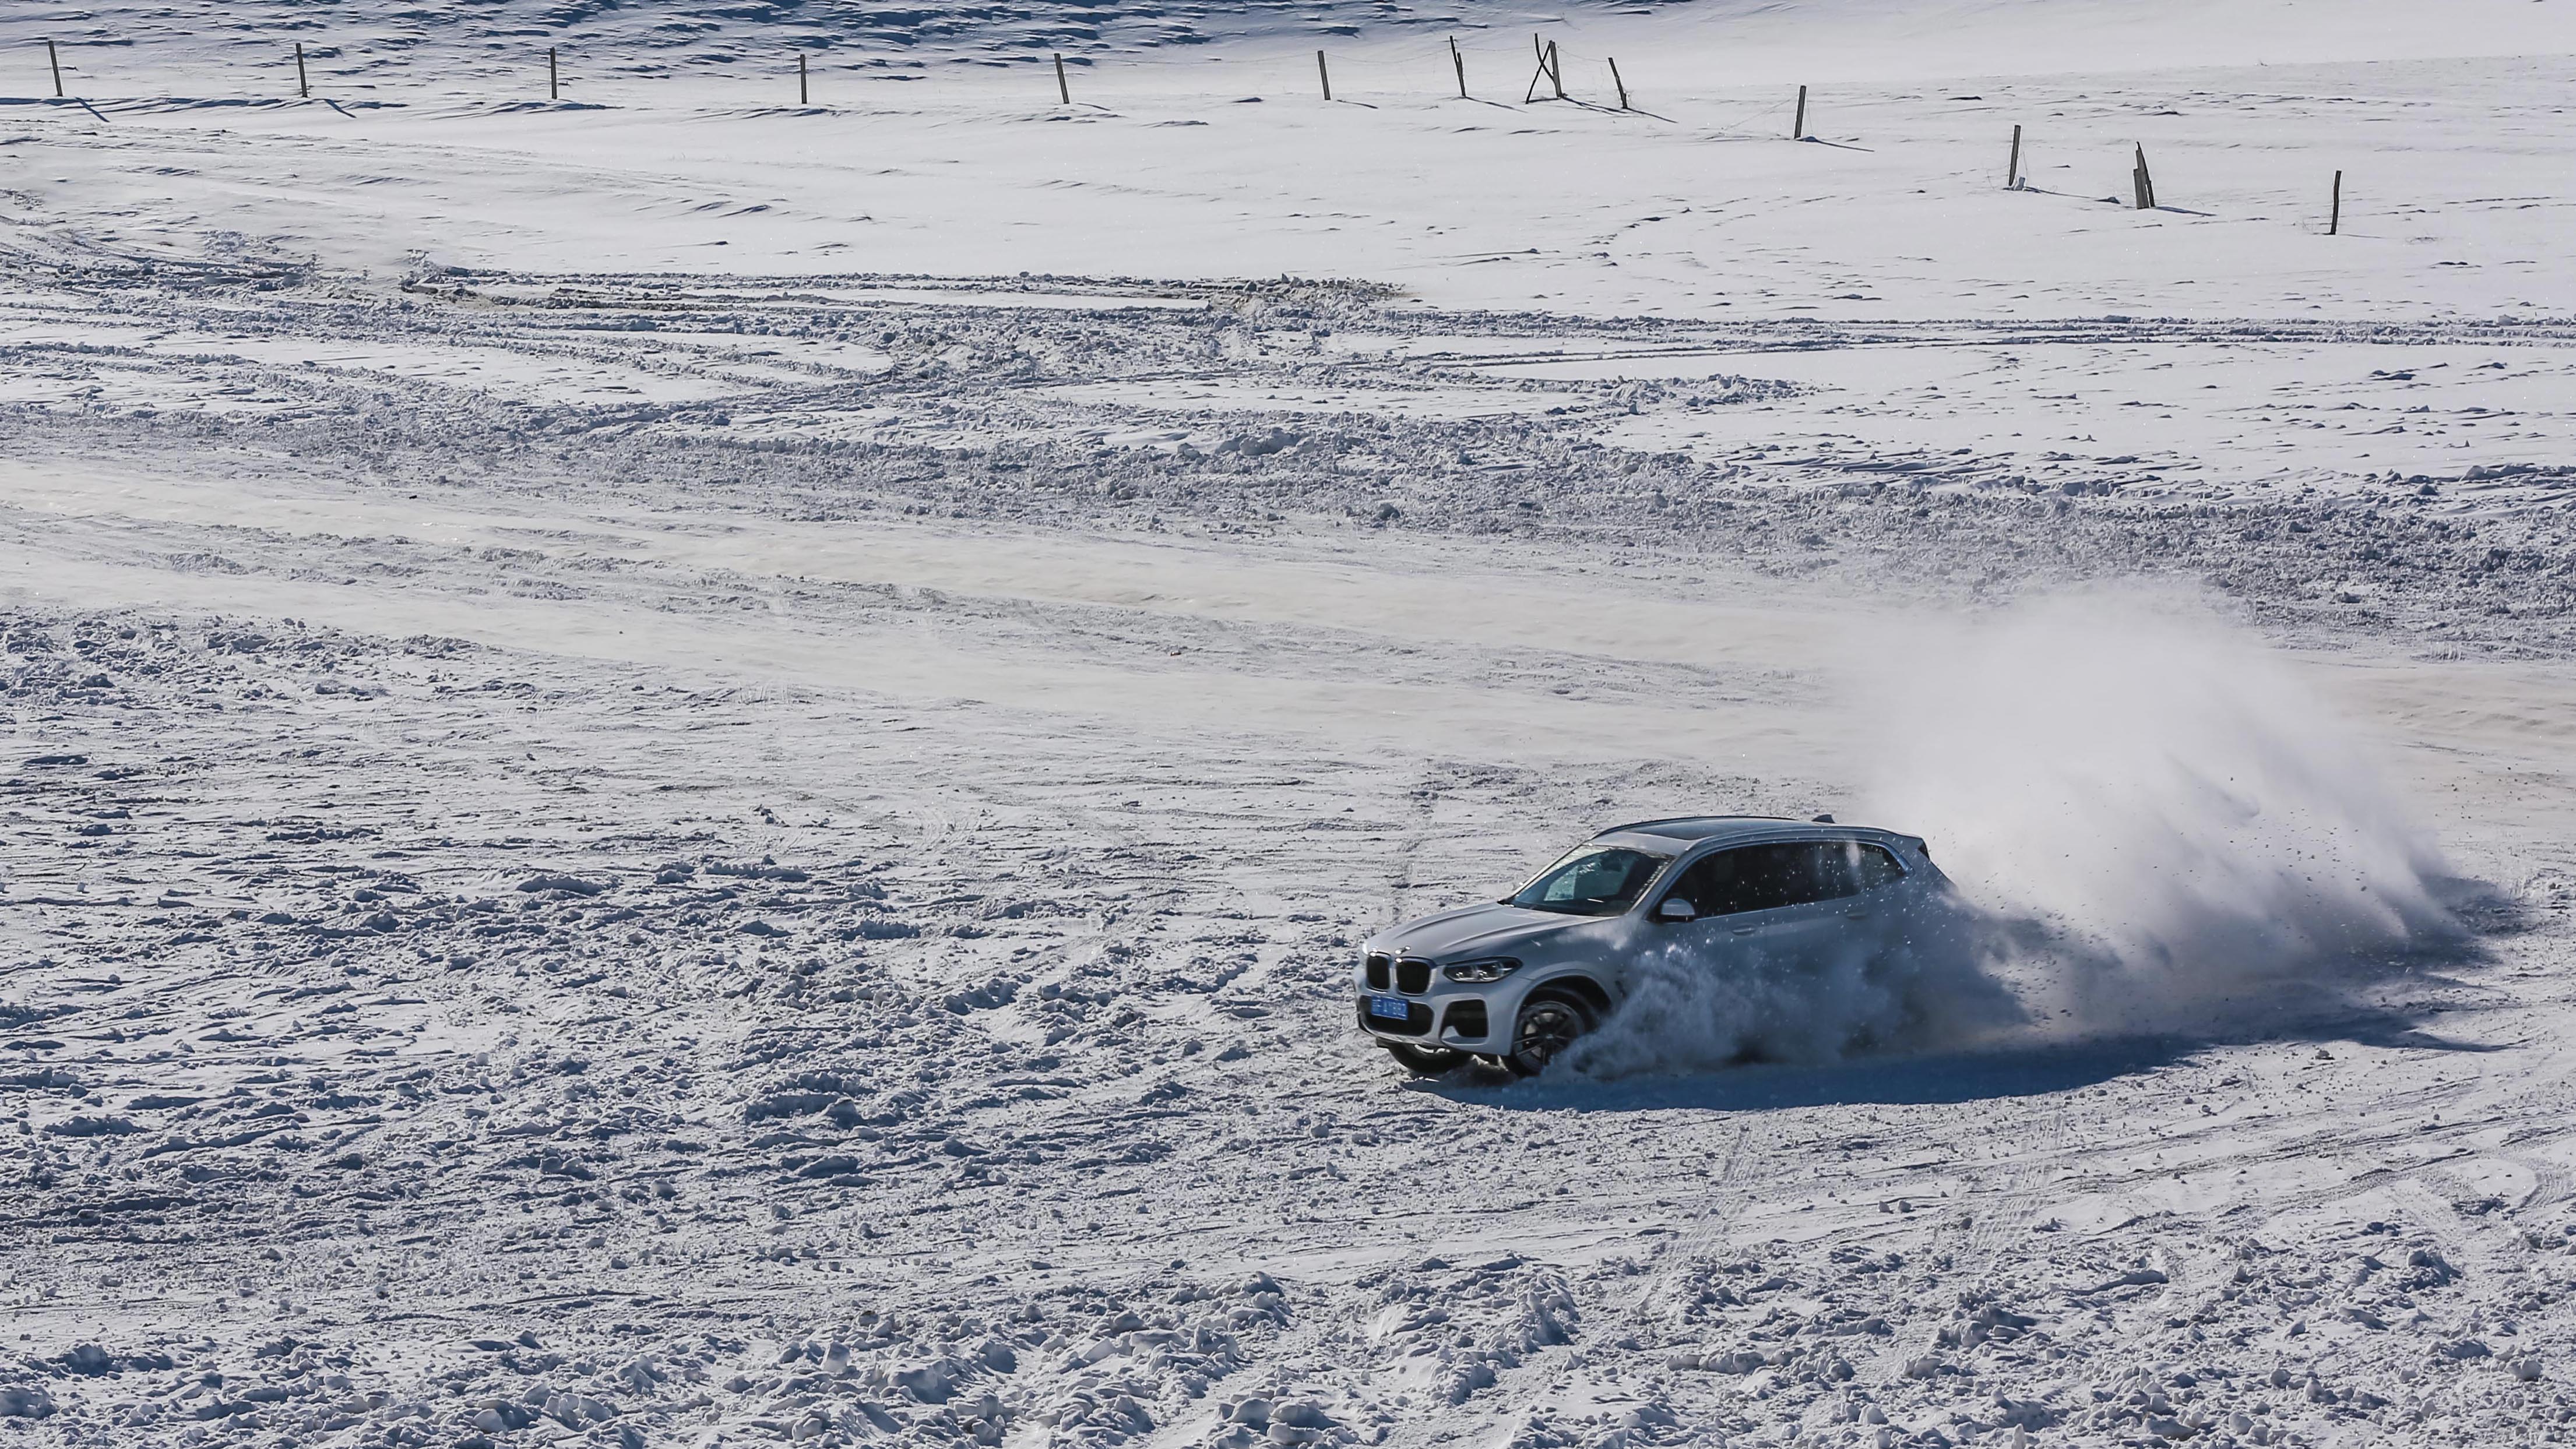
x=2145, y=183
x=1622, y=85
x=2012, y=170
x=1325, y=74
x=1460, y=62
x=2334, y=218
x=303, y=87
x=1556, y=70
x=1063, y=92
x=56, y=58
x=554, y=78
x=1798, y=127
x=800, y=78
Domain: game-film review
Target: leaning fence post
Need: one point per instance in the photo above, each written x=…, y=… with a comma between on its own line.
x=2334, y=218
x=2012, y=169
x=2145, y=183
x=303, y=87
x=554, y=78
x=1622, y=85
x=1798, y=127
x=55, y=57
x=1460, y=62
x=1326, y=74
x=1063, y=92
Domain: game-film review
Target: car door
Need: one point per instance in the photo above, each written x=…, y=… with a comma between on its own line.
x=1781, y=903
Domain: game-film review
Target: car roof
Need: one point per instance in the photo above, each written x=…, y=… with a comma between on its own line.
x=1691, y=830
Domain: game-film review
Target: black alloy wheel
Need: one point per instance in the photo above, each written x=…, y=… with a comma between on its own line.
x=1548, y=1025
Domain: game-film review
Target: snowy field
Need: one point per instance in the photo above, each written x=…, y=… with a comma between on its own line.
x=688, y=770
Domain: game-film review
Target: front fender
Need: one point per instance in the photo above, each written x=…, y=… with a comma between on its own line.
x=1593, y=985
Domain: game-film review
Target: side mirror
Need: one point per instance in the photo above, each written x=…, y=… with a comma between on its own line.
x=1675, y=908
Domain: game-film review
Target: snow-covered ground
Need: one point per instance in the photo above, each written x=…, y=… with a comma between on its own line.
x=685, y=769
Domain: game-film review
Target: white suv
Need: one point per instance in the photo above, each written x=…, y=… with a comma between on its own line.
x=1517, y=980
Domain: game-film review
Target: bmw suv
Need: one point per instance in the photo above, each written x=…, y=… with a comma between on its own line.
x=1517, y=981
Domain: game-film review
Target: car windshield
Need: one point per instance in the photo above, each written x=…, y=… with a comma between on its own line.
x=1591, y=880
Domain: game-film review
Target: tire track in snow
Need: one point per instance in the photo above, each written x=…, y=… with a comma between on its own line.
x=1727, y=1202
x=1523, y=1388
x=1988, y=1233
x=1425, y=805
x=2549, y=1175
x=2533, y=1102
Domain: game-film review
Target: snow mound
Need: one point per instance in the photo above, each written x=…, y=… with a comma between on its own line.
x=1733, y=42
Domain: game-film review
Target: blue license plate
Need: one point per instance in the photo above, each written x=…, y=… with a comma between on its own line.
x=1391, y=1008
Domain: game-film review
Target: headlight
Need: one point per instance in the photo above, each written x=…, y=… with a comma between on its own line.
x=1489, y=968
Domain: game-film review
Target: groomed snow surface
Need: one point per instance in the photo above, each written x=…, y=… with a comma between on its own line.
x=687, y=770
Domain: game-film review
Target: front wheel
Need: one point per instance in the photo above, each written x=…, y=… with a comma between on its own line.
x=1549, y=1024
x=1424, y=1061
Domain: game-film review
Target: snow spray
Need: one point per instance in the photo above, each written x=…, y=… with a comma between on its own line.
x=2153, y=825
x=1909, y=980
x=2187, y=825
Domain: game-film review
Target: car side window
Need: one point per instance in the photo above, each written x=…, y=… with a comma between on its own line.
x=1748, y=878
x=1709, y=885
x=1776, y=876
x=1871, y=867
x=1844, y=868
x=1768, y=877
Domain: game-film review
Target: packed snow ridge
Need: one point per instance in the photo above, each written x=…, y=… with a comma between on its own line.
x=363, y=41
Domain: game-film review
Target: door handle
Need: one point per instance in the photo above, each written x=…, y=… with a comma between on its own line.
x=1855, y=915
x=1744, y=930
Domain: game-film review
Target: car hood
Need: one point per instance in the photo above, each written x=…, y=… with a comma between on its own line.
x=1480, y=930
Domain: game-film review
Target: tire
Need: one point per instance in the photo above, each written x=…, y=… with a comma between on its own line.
x=1549, y=1022
x=1424, y=1061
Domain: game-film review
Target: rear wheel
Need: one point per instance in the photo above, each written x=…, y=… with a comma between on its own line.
x=1549, y=1023
x=1424, y=1061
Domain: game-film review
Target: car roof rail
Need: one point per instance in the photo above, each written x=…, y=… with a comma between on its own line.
x=1677, y=820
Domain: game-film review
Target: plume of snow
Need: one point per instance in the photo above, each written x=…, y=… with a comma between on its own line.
x=2157, y=794
x=2153, y=822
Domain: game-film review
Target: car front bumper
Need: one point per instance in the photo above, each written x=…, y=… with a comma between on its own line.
x=1461, y=1018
